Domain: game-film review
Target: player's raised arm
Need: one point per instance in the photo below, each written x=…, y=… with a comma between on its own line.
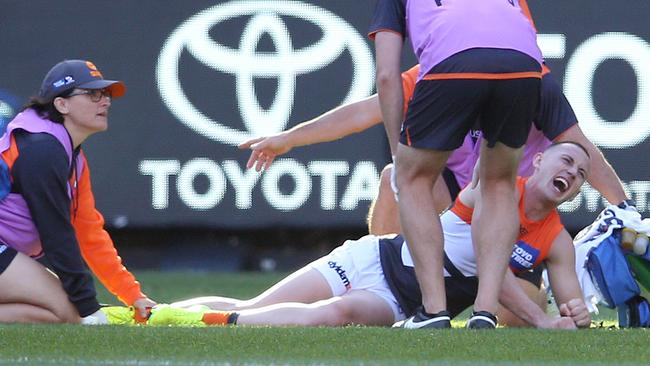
x=335, y=124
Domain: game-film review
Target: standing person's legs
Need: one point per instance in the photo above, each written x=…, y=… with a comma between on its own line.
x=29, y=293
x=506, y=122
x=439, y=116
x=417, y=170
x=495, y=222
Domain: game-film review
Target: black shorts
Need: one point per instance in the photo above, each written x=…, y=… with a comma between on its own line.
x=461, y=290
x=442, y=111
x=555, y=114
x=451, y=183
x=533, y=276
x=461, y=293
x=7, y=255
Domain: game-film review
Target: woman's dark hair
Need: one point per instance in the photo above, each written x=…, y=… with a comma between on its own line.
x=45, y=108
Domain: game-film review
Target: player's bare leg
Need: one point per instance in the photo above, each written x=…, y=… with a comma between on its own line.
x=495, y=223
x=356, y=307
x=306, y=285
x=383, y=216
x=213, y=302
x=417, y=170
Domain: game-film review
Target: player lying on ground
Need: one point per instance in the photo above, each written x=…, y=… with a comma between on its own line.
x=371, y=280
x=556, y=121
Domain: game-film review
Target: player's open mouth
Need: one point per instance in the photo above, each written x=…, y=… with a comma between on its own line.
x=561, y=184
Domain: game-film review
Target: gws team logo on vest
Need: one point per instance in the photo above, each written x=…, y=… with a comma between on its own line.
x=286, y=64
x=523, y=256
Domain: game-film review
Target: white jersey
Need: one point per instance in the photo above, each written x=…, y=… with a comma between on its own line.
x=458, y=245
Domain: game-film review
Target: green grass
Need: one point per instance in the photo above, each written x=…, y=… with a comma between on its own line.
x=114, y=345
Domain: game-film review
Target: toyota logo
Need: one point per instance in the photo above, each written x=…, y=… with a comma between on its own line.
x=286, y=64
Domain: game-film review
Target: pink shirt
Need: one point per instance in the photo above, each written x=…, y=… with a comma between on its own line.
x=439, y=31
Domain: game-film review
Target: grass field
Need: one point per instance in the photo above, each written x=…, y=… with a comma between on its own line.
x=114, y=345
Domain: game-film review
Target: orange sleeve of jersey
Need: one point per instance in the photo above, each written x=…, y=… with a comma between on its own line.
x=409, y=77
x=11, y=154
x=98, y=249
x=463, y=211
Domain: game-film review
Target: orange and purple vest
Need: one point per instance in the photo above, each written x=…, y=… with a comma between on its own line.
x=17, y=228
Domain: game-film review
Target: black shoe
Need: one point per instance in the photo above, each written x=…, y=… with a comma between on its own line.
x=482, y=320
x=423, y=320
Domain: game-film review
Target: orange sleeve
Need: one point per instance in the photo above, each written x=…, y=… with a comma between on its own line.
x=463, y=211
x=409, y=77
x=97, y=247
x=11, y=154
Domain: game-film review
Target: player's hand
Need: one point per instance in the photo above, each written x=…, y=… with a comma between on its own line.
x=143, y=307
x=577, y=311
x=265, y=150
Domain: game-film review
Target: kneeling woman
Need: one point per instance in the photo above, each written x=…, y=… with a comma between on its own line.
x=47, y=208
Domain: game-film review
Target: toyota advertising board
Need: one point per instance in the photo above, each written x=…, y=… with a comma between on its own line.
x=203, y=76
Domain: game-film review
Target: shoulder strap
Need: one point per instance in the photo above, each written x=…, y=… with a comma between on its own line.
x=451, y=268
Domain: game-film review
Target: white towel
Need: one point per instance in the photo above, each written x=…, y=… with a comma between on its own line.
x=612, y=217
